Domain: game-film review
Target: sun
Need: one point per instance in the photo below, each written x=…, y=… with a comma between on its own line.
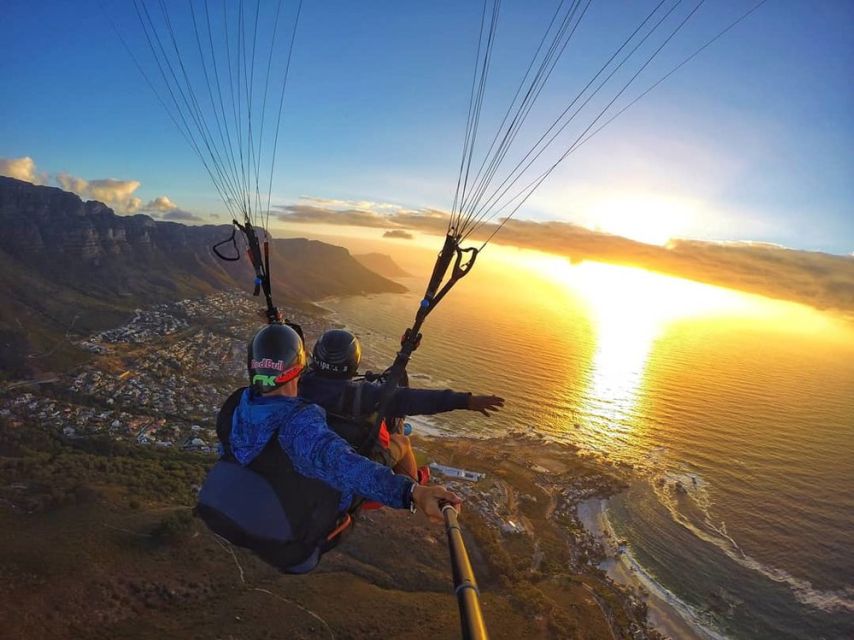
x=627, y=297
x=646, y=218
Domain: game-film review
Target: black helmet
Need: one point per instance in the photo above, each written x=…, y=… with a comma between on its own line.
x=336, y=354
x=275, y=356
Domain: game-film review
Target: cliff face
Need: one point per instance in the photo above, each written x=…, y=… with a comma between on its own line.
x=382, y=264
x=61, y=257
x=84, y=246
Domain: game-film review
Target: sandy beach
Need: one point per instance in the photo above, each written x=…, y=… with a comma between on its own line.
x=666, y=613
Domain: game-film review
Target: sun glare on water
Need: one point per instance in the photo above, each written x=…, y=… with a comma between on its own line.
x=631, y=311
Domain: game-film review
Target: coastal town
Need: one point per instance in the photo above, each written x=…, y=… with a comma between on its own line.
x=157, y=380
x=530, y=493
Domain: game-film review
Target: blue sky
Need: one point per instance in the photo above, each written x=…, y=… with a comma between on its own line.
x=750, y=141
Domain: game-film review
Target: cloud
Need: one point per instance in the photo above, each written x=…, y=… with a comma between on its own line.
x=814, y=278
x=117, y=194
x=335, y=204
x=399, y=234
x=427, y=220
x=161, y=204
x=362, y=213
x=818, y=279
x=305, y=213
x=23, y=168
x=163, y=207
x=182, y=216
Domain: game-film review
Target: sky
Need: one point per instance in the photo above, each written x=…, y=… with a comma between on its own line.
x=750, y=141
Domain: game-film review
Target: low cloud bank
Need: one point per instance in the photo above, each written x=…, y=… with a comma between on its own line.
x=819, y=279
x=179, y=215
x=399, y=234
x=822, y=280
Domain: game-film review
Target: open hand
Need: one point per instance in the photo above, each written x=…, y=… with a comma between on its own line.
x=427, y=499
x=485, y=404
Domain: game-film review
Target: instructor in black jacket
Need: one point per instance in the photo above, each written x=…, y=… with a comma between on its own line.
x=328, y=383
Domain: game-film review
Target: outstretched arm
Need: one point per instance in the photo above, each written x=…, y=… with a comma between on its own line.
x=485, y=404
x=424, y=402
x=319, y=453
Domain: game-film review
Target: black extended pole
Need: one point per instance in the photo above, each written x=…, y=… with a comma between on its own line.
x=465, y=586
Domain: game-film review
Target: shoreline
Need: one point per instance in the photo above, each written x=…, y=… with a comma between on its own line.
x=665, y=613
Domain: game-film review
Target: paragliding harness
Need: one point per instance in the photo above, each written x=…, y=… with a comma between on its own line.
x=356, y=426
x=287, y=519
x=356, y=423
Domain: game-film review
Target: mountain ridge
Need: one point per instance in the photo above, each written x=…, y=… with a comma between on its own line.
x=59, y=253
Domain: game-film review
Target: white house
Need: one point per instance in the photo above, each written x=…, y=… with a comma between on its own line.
x=512, y=527
x=453, y=472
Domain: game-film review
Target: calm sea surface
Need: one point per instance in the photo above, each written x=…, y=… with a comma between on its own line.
x=737, y=413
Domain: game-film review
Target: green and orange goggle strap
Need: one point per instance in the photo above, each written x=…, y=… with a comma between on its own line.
x=289, y=374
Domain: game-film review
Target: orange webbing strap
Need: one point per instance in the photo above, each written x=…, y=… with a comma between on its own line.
x=342, y=526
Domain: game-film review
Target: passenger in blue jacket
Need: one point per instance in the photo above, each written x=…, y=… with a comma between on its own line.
x=328, y=383
x=269, y=414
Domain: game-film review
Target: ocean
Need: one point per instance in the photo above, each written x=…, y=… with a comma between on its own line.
x=735, y=412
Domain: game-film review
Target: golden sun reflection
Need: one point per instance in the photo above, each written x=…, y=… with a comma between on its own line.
x=630, y=311
x=616, y=372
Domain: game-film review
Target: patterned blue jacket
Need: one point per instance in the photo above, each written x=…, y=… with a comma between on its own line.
x=315, y=450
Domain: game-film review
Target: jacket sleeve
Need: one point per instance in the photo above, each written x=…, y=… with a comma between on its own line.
x=425, y=402
x=317, y=452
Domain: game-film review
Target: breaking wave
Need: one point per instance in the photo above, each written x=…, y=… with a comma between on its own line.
x=672, y=488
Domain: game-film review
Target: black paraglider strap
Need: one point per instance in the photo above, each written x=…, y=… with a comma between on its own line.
x=411, y=339
x=443, y=261
x=451, y=249
x=254, y=256
x=260, y=262
x=233, y=242
x=460, y=270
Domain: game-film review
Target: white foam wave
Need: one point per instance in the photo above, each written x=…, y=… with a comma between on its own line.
x=715, y=533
